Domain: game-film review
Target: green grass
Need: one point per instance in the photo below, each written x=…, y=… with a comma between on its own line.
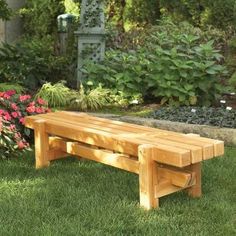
x=141, y=110
x=85, y=198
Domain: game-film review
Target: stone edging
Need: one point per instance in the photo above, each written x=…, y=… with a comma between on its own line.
x=226, y=134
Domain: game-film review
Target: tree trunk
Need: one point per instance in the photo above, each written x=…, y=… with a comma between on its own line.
x=120, y=22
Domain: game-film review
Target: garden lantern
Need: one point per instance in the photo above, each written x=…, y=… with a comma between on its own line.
x=64, y=24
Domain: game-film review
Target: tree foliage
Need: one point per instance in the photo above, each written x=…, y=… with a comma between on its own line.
x=40, y=16
x=218, y=13
x=5, y=12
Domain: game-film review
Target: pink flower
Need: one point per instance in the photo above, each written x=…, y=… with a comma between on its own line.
x=23, y=98
x=30, y=109
x=10, y=92
x=22, y=120
x=12, y=127
x=1, y=112
x=14, y=106
x=39, y=110
x=20, y=144
x=6, y=96
x=31, y=104
x=14, y=114
x=40, y=101
x=7, y=116
x=17, y=135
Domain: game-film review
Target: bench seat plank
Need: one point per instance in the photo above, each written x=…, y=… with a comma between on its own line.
x=199, y=150
x=164, y=154
x=129, y=136
x=218, y=145
x=196, y=151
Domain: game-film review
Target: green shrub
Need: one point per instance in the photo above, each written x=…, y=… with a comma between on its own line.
x=167, y=30
x=40, y=16
x=180, y=68
x=220, y=14
x=120, y=98
x=31, y=63
x=8, y=86
x=5, y=11
x=232, y=81
x=57, y=95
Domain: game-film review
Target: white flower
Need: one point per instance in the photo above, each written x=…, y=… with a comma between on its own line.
x=193, y=110
x=222, y=101
x=229, y=108
x=134, y=102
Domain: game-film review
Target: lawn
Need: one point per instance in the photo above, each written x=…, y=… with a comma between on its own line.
x=85, y=198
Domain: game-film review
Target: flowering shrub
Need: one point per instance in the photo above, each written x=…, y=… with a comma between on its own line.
x=13, y=109
x=11, y=140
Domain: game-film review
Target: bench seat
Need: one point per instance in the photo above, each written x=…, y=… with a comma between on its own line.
x=165, y=161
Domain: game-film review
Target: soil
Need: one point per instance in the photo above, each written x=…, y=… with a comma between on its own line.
x=230, y=100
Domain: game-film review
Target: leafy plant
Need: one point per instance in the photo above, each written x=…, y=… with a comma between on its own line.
x=30, y=63
x=40, y=16
x=57, y=95
x=177, y=72
x=218, y=13
x=8, y=86
x=120, y=98
x=90, y=100
x=232, y=80
x=175, y=63
x=5, y=11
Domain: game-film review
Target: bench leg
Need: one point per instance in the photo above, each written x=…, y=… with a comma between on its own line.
x=147, y=173
x=41, y=144
x=195, y=190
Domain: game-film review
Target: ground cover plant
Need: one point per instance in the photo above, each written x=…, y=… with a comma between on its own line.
x=220, y=116
x=86, y=198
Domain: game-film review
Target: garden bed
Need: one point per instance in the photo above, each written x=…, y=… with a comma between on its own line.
x=228, y=135
x=220, y=116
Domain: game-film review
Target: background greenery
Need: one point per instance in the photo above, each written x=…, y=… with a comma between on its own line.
x=169, y=52
x=5, y=12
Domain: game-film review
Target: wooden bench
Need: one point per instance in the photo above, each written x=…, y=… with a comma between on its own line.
x=165, y=161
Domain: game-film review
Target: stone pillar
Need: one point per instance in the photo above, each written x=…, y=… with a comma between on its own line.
x=91, y=34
